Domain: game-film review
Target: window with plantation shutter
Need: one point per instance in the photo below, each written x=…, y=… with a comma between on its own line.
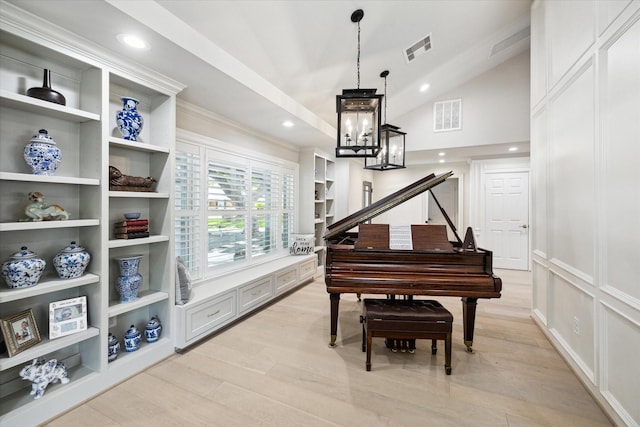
x=265, y=195
x=231, y=209
x=227, y=213
x=187, y=205
x=288, y=206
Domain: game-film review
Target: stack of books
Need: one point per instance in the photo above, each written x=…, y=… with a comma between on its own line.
x=132, y=229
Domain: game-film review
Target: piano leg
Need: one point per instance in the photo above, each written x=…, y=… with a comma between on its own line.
x=335, y=302
x=469, y=320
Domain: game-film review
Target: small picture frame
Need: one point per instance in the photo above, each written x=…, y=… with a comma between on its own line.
x=67, y=317
x=20, y=332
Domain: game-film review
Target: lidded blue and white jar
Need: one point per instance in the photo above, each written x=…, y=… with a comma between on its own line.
x=153, y=330
x=71, y=261
x=132, y=339
x=42, y=154
x=128, y=119
x=113, y=347
x=23, y=269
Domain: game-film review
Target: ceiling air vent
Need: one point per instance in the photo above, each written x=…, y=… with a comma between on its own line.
x=418, y=48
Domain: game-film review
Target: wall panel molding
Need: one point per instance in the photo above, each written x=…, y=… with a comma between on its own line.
x=617, y=340
x=572, y=321
x=587, y=149
x=586, y=278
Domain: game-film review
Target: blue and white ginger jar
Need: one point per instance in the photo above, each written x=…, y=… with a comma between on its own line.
x=42, y=154
x=153, y=330
x=132, y=339
x=71, y=261
x=23, y=269
x=128, y=119
x=113, y=347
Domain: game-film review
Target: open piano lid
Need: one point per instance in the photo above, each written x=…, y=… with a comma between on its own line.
x=383, y=205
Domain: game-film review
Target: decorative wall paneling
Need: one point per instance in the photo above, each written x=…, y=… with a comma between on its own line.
x=585, y=106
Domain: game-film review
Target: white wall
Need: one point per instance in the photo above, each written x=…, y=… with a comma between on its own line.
x=413, y=211
x=495, y=110
x=203, y=122
x=585, y=133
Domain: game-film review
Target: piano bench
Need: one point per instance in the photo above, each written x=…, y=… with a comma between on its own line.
x=406, y=319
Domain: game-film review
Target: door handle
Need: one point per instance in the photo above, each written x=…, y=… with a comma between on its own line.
x=524, y=226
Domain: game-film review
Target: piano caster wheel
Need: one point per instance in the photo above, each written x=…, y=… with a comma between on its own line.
x=469, y=349
x=447, y=370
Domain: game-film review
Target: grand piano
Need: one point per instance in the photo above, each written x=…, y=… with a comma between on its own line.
x=407, y=260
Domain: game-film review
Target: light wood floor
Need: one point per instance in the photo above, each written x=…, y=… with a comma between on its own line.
x=275, y=369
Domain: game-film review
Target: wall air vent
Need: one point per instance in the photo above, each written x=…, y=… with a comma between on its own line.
x=510, y=41
x=418, y=48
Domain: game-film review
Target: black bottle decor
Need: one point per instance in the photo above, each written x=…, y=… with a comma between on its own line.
x=45, y=92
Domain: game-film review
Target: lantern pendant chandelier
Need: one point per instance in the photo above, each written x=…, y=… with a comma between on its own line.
x=391, y=155
x=359, y=115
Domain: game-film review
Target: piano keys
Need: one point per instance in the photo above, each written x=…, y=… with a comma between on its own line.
x=365, y=262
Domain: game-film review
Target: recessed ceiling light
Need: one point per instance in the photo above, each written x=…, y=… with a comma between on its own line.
x=424, y=87
x=441, y=153
x=441, y=161
x=287, y=123
x=513, y=148
x=132, y=41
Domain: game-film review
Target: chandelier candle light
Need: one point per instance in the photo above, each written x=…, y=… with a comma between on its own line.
x=391, y=155
x=359, y=115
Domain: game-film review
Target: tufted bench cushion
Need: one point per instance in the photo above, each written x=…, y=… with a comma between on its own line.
x=406, y=319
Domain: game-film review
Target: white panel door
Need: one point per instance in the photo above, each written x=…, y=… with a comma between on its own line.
x=507, y=219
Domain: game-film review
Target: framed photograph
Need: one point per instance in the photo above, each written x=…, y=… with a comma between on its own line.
x=20, y=332
x=67, y=317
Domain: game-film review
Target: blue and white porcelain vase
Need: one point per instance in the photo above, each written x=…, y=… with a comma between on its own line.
x=128, y=119
x=132, y=339
x=153, y=330
x=129, y=281
x=71, y=261
x=23, y=269
x=41, y=154
x=113, y=347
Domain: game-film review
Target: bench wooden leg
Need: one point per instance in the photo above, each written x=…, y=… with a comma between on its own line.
x=447, y=352
x=434, y=346
x=369, y=339
x=364, y=342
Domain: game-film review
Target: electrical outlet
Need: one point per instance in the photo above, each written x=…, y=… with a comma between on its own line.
x=576, y=326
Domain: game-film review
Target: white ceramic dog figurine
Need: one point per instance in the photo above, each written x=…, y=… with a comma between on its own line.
x=41, y=373
x=37, y=210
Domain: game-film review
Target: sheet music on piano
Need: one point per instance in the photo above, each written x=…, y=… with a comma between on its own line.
x=400, y=237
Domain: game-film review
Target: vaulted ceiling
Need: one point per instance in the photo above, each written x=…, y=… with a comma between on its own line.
x=261, y=62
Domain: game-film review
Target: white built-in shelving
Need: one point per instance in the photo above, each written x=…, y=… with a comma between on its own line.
x=317, y=203
x=85, y=130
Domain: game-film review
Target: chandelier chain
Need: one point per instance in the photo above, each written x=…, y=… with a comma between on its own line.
x=358, y=55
